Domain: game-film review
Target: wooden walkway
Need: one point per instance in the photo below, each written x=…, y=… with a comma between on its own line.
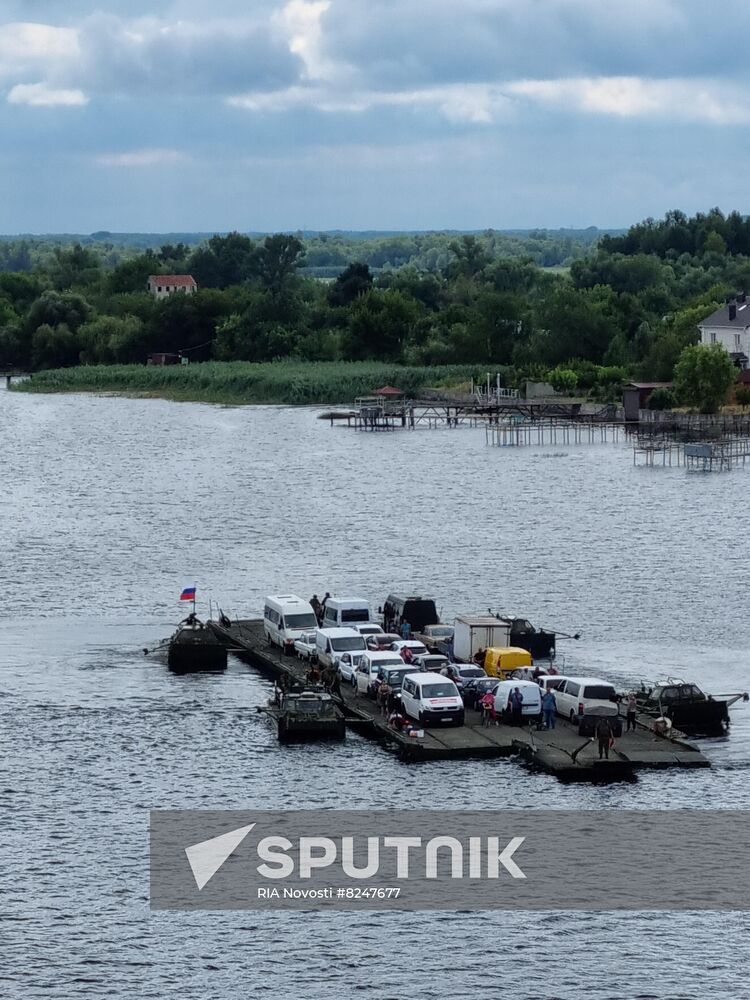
x=435, y=412
x=560, y=751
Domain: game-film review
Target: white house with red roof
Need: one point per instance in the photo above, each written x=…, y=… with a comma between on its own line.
x=162, y=285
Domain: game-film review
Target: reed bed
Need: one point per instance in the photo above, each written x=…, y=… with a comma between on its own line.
x=245, y=382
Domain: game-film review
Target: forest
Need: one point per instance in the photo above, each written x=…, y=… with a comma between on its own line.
x=535, y=304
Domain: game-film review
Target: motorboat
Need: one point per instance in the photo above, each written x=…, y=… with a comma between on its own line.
x=686, y=706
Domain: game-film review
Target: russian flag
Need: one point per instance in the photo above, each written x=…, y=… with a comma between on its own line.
x=188, y=594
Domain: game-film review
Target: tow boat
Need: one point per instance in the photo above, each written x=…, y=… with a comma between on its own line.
x=540, y=642
x=686, y=706
x=191, y=647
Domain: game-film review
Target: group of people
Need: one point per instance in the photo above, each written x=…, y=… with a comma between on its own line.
x=315, y=677
x=514, y=709
x=328, y=677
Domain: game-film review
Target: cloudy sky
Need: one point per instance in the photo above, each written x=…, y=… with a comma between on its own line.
x=198, y=115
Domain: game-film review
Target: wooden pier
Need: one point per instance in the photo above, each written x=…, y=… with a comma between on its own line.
x=517, y=434
x=560, y=751
x=371, y=414
x=653, y=453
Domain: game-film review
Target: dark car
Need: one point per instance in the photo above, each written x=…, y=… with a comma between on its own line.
x=417, y=611
x=475, y=689
x=394, y=676
x=381, y=641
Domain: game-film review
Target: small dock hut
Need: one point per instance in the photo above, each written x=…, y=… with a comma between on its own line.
x=378, y=410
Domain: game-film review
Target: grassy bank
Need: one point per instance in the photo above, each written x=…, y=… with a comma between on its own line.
x=243, y=382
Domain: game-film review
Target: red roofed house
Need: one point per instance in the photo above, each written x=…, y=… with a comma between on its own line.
x=162, y=285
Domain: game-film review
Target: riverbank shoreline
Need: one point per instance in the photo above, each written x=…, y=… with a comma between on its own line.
x=241, y=383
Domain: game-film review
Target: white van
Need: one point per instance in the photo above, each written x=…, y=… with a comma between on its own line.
x=285, y=618
x=339, y=613
x=431, y=698
x=367, y=628
x=336, y=643
x=551, y=682
x=578, y=694
x=370, y=664
x=531, y=707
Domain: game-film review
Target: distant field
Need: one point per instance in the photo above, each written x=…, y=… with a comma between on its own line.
x=240, y=382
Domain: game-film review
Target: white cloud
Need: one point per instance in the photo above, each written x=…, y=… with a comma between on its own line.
x=709, y=101
x=142, y=158
x=301, y=22
x=41, y=95
x=460, y=102
x=23, y=43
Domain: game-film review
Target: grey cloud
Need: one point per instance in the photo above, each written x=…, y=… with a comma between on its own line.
x=421, y=41
x=166, y=57
x=70, y=12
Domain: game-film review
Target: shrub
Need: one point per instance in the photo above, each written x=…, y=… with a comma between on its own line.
x=662, y=399
x=563, y=380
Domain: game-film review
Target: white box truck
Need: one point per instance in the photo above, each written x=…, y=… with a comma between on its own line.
x=475, y=632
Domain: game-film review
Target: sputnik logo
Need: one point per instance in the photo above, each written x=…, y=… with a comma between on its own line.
x=207, y=857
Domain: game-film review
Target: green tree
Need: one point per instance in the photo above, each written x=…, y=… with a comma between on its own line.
x=563, y=380
x=76, y=266
x=187, y=322
x=224, y=261
x=469, y=257
x=132, y=275
x=703, y=376
x=715, y=243
x=54, y=347
x=281, y=256
x=20, y=289
x=354, y=281
x=742, y=395
x=56, y=308
x=113, y=340
x=380, y=324
x=15, y=348
x=581, y=324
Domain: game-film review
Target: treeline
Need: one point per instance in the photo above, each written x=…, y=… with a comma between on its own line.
x=326, y=254
x=618, y=310
x=711, y=232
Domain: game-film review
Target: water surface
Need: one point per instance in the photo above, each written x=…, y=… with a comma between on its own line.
x=110, y=506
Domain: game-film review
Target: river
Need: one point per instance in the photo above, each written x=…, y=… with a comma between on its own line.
x=111, y=505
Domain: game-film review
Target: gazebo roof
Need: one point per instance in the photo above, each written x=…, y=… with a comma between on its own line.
x=388, y=390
